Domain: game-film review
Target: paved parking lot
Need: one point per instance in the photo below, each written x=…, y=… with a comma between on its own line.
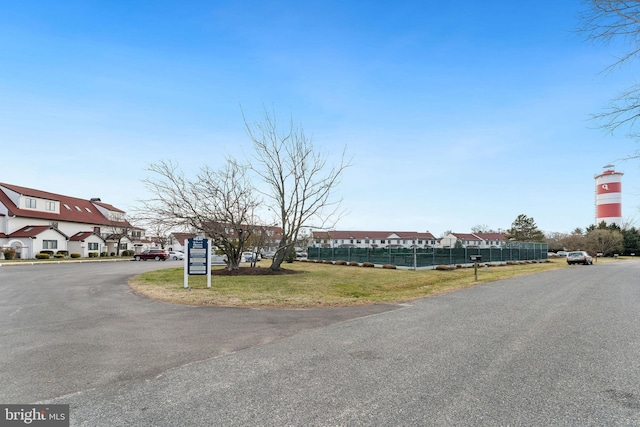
x=73, y=327
x=555, y=349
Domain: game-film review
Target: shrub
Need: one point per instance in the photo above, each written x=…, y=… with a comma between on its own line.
x=368, y=264
x=326, y=261
x=353, y=264
x=112, y=254
x=340, y=262
x=389, y=266
x=291, y=255
x=63, y=253
x=75, y=255
x=104, y=254
x=50, y=253
x=93, y=254
x=9, y=253
x=58, y=256
x=443, y=267
x=42, y=256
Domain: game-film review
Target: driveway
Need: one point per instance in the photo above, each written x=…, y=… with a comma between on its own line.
x=71, y=327
x=558, y=348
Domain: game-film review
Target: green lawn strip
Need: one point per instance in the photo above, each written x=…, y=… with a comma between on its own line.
x=320, y=285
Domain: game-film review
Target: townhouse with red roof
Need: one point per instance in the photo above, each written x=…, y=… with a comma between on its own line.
x=32, y=221
x=372, y=239
x=403, y=239
x=472, y=240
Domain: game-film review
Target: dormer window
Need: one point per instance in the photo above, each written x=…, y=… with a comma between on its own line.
x=30, y=203
x=50, y=206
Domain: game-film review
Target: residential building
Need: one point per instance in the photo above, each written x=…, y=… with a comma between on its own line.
x=372, y=239
x=472, y=240
x=33, y=220
x=266, y=238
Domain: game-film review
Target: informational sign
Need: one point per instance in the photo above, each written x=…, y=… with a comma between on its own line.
x=197, y=255
x=197, y=260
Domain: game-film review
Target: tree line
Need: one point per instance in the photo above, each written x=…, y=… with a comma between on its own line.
x=603, y=238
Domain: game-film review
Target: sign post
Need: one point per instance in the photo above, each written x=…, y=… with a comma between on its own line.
x=475, y=259
x=197, y=261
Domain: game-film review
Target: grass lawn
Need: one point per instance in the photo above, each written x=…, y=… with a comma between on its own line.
x=321, y=285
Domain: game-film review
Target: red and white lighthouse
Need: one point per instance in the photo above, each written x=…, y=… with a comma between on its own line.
x=609, y=196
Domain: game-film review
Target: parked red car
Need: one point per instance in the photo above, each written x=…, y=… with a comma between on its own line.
x=156, y=254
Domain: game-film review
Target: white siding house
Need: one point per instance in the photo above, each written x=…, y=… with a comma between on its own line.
x=372, y=239
x=33, y=220
x=472, y=240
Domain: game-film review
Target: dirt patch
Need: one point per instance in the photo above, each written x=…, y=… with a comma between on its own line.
x=254, y=271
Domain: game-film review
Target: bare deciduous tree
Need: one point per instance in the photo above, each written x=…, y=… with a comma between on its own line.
x=299, y=182
x=606, y=242
x=219, y=204
x=606, y=21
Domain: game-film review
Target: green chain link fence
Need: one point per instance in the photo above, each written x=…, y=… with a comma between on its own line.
x=431, y=257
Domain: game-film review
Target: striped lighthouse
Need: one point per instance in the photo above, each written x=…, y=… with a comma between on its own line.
x=609, y=196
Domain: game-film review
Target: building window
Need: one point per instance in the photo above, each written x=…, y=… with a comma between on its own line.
x=54, y=224
x=50, y=206
x=49, y=244
x=358, y=241
x=96, y=230
x=366, y=241
x=30, y=203
x=382, y=241
x=93, y=246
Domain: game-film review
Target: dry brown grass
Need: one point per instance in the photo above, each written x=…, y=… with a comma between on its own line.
x=320, y=285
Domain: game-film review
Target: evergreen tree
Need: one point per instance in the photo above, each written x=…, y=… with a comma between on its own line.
x=524, y=229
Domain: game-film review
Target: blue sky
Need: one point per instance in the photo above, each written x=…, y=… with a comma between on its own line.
x=456, y=115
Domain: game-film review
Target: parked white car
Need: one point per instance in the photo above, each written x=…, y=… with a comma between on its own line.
x=250, y=256
x=579, y=257
x=176, y=255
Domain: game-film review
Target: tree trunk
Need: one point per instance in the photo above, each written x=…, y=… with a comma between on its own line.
x=279, y=257
x=232, y=264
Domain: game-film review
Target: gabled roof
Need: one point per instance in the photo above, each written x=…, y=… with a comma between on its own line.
x=81, y=236
x=107, y=206
x=491, y=236
x=34, y=230
x=181, y=237
x=374, y=235
x=467, y=236
x=72, y=209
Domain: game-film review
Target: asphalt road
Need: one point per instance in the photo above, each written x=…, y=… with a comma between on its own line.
x=557, y=348
x=72, y=327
